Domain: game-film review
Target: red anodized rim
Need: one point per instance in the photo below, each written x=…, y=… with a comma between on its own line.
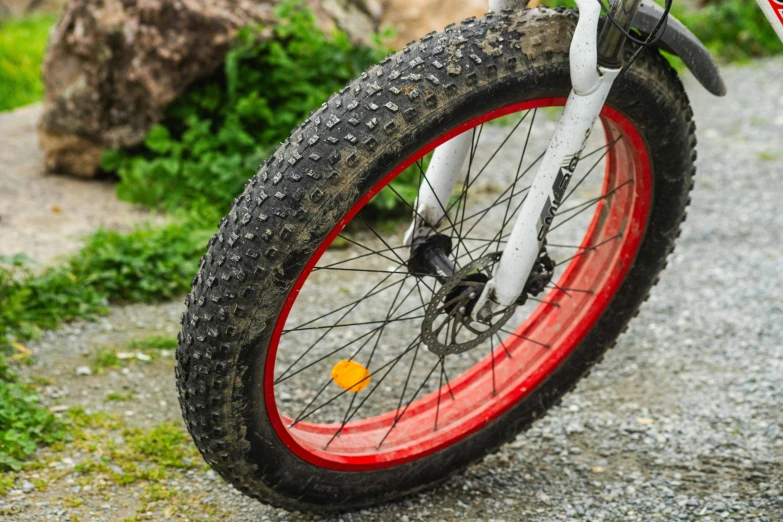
x=619, y=219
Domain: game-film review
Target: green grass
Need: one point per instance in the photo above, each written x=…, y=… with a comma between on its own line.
x=22, y=45
x=118, y=397
x=24, y=423
x=144, y=350
x=112, y=454
x=146, y=264
x=33, y=302
x=157, y=342
x=105, y=358
x=147, y=454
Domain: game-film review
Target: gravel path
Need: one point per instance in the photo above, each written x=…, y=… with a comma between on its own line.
x=44, y=215
x=682, y=420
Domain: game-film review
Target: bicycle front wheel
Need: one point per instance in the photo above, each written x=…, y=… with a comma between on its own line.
x=317, y=370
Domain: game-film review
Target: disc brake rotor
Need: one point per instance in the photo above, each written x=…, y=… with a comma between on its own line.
x=447, y=327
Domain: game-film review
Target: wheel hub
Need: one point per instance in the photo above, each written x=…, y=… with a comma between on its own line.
x=447, y=327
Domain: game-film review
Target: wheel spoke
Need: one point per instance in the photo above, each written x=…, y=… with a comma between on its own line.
x=344, y=325
x=397, y=418
x=448, y=383
x=523, y=337
x=440, y=385
x=399, y=260
x=484, y=212
x=389, y=313
x=499, y=201
x=376, y=234
x=586, y=205
x=369, y=271
x=328, y=381
x=492, y=357
x=599, y=149
x=503, y=344
x=589, y=249
x=362, y=256
x=506, y=217
x=503, y=143
x=542, y=301
x=391, y=364
x=372, y=293
x=440, y=204
x=591, y=169
x=340, y=319
x=575, y=290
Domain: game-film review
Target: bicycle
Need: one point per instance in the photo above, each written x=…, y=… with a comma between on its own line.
x=318, y=377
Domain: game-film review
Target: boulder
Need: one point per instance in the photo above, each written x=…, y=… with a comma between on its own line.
x=112, y=66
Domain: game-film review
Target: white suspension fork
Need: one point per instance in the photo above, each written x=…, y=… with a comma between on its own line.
x=590, y=86
x=437, y=185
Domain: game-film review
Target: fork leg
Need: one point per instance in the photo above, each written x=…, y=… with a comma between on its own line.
x=444, y=168
x=438, y=184
x=590, y=86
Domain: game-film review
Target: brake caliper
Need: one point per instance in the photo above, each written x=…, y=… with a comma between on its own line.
x=543, y=270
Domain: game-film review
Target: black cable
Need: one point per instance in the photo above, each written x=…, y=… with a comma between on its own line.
x=653, y=38
x=663, y=22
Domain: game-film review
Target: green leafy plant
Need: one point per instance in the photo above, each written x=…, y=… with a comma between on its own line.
x=146, y=264
x=22, y=44
x=216, y=134
x=733, y=30
x=34, y=302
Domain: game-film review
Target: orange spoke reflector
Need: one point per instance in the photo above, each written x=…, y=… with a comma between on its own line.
x=351, y=376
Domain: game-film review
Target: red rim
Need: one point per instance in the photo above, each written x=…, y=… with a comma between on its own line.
x=620, y=219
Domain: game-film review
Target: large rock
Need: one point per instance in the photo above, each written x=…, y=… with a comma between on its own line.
x=112, y=65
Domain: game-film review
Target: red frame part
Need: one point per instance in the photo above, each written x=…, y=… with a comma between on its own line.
x=773, y=10
x=562, y=328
